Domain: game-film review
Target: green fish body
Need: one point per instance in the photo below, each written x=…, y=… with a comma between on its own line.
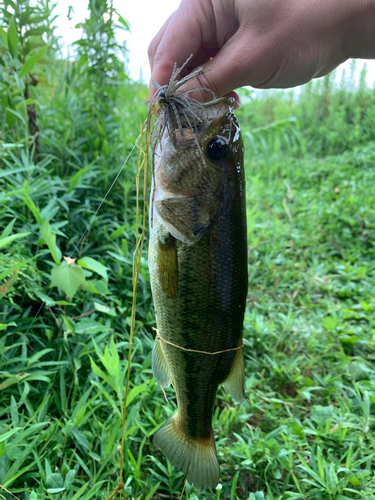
x=198, y=268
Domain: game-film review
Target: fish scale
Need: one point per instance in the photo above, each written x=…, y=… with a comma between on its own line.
x=198, y=269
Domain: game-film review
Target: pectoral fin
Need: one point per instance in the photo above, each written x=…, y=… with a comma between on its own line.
x=167, y=265
x=160, y=368
x=235, y=382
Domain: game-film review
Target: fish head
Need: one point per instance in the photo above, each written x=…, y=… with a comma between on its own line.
x=191, y=169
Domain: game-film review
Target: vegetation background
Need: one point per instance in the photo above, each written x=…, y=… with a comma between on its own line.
x=306, y=430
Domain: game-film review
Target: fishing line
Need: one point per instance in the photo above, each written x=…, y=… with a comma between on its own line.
x=143, y=165
x=64, y=264
x=195, y=351
x=10, y=493
x=137, y=257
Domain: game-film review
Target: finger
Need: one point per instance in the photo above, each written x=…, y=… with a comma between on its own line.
x=236, y=97
x=199, y=59
x=226, y=71
x=182, y=37
x=155, y=42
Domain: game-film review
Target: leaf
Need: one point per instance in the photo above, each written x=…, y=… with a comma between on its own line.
x=97, y=286
x=14, y=411
x=119, y=231
x=3, y=38
x=69, y=324
x=50, y=239
x=89, y=327
x=22, y=436
x=18, y=115
x=80, y=438
x=32, y=207
x=124, y=23
x=101, y=374
x=8, y=240
x=94, y=265
x=69, y=479
x=13, y=379
x=329, y=323
x=29, y=64
x=68, y=278
x=75, y=179
x=30, y=101
x=13, y=38
x=105, y=309
x=136, y=391
x=34, y=32
x=45, y=298
x=8, y=229
x=12, y=268
x=55, y=481
x=7, y=173
x=80, y=492
x=4, y=326
x=7, y=435
x=93, y=491
x=38, y=355
x=151, y=492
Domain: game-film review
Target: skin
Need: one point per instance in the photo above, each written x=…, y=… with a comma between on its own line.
x=199, y=288
x=262, y=43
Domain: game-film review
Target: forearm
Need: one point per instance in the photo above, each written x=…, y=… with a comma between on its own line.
x=360, y=40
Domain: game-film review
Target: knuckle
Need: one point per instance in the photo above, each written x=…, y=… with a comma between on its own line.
x=162, y=68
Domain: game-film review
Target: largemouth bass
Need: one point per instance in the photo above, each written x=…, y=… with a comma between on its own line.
x=198, y=268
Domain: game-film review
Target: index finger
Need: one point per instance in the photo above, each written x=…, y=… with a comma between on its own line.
x=155, y=42
x=182, y=37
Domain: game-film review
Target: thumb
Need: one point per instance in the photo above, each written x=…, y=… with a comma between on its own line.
x=222, y=74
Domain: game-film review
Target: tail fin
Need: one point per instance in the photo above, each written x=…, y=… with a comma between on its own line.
x=195, y=457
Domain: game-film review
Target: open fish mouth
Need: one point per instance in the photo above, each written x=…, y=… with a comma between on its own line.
x=167, y=164
x=188, y=123
x=178, y=113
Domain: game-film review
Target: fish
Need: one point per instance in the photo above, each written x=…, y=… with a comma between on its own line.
x=199, y=278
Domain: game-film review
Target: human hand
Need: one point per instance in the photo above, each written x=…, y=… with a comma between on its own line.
x=262, y=43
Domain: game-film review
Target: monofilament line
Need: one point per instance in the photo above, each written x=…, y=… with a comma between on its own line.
x=198, y=352
x=64, y=264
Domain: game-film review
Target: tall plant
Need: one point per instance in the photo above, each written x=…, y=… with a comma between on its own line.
x=100, y=65
x=26, y=35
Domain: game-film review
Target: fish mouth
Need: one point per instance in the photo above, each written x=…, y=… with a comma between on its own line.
x=189, y=135
x=194, y=127
x=187, y=184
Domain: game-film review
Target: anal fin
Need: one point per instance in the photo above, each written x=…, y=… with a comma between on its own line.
x=160, y=368
x=235, y=382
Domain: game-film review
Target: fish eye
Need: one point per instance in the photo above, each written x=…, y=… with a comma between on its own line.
x=162, y=94
x=217, y=148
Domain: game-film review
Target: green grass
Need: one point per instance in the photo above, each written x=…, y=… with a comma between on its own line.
x=306, y=429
